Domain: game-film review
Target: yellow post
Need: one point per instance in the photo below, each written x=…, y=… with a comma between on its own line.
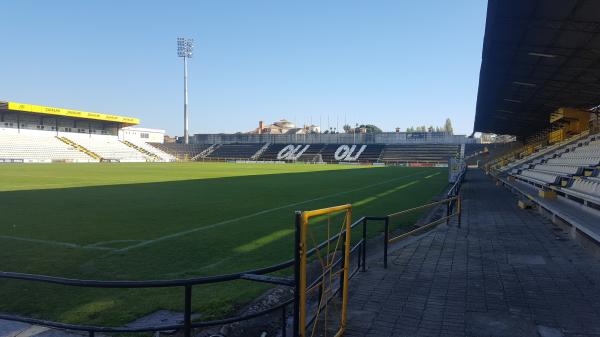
x=302, y=286
x=303, y=263
x=348, y=220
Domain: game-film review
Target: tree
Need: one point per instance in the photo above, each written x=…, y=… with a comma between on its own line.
x=347, y=128
x=448, y=126
x=371, y=128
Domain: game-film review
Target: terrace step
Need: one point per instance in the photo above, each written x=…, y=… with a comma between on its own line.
x=80, y=148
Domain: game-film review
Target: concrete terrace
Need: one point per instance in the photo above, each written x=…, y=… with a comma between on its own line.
x=506, y=272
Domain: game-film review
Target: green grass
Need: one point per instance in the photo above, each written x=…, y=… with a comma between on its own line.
x=178, y=220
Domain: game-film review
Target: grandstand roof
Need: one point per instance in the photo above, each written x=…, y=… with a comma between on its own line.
x=46, y=110
x=538, y=55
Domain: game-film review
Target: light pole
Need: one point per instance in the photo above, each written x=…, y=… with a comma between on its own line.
x=184, y=49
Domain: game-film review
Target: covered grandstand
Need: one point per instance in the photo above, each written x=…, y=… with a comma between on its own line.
x=37, y=134
x=539, y=81
x=538, y=56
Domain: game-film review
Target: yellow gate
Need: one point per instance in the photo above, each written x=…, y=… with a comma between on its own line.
x=332, y=277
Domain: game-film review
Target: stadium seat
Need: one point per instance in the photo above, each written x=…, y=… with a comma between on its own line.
x=236, y=151
x=181, y=151
x=559, y=169
x=540, y=177
x=43, y=148
x=423, y=153
x=585, y=188
x=108, y=147
x=575, y=161
x=164, y=156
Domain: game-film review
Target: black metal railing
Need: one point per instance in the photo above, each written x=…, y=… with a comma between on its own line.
x=256, y=275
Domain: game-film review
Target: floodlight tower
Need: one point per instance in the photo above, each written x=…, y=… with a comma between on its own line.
x=184, y=49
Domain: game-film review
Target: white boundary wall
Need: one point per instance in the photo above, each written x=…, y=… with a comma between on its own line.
x=339, y=138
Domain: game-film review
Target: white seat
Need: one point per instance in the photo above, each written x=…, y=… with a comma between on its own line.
x=540, y=176
x=108, y=147
x=586, y=186
x=157, y=152
x=43, y=148
x=559, y=169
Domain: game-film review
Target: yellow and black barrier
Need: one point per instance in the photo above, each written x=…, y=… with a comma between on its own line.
x=332, y=267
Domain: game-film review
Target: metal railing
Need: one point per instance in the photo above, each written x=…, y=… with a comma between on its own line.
x=453, y=208
x=257, y=275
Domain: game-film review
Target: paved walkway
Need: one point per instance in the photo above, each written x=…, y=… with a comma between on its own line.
x=506, y=272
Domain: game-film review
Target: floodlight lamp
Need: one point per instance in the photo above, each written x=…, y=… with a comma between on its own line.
x=185, y=47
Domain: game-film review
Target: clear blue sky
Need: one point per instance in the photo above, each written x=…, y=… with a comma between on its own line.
x=389, y=63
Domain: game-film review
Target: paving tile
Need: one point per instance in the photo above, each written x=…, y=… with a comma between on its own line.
x=503, y=273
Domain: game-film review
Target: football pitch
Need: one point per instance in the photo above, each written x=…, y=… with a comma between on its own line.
x=167, y=221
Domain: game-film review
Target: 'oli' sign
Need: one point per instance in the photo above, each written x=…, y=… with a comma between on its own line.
x=292, y=152
x=346, y=153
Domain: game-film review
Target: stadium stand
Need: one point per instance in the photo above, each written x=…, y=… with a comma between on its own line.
x=312, y=154
x=235, y=151
x=475, y=149
x=570, y=166
x=329, y=153
x=25, y=148
x=342, y=153
x=109, y=148
x=476, y=154
x=372, y=153
x=275, y=152
x=181, y=151
x=161, y=155
x=419, y=153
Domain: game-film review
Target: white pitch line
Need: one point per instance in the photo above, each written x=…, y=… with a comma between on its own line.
x=218, y=224
x=101, y=243
x=432, y=175
x=53, y=243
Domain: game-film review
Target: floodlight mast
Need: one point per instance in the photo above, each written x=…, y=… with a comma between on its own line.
x=185, y=48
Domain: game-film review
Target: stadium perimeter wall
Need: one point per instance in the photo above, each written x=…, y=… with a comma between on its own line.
x=340, y=138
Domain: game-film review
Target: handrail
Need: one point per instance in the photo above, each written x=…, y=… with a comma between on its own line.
x=409, y=233
x=422, y=206
x=143, y=284
x=453, y=208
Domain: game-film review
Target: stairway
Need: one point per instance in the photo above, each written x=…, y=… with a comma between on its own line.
x=80, y=148
x=260, y=152
x=142, y=150
x=206, y=152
